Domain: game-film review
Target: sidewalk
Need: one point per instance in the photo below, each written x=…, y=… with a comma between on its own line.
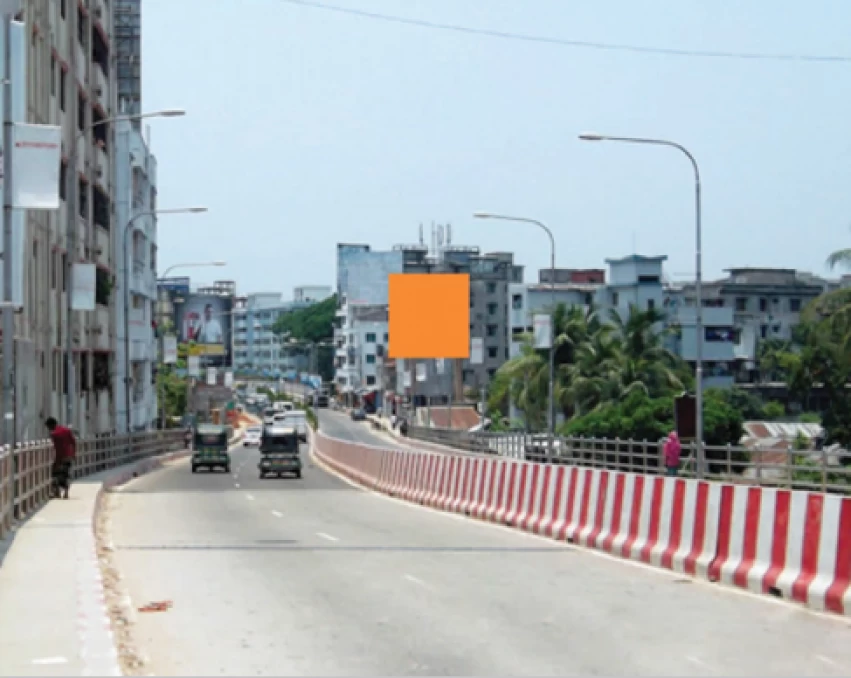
x=53, y=618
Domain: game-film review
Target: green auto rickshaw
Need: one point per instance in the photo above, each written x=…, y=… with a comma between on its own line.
x=210, y=448
x=279, y=450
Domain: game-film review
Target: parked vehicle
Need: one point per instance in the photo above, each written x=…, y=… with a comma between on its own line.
x=358, y=415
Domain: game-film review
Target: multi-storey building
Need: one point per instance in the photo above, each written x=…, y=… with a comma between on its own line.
x=362, y=280
x=758, y=305
x=257, y=349
x=136, y=286
x=71, y=83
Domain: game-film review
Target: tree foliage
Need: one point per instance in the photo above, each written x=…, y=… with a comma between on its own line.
x=311, y=324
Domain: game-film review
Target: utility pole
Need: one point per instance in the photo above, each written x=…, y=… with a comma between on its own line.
x=8, y=244
x=71, y=225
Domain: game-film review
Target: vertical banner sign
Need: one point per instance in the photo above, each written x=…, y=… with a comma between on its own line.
x=440, y=365
x=406, y=379
x=477, y=351
x=169, y=349
x=36, y=156
x=421, y=371
x=211, y=376
x=193, y=365
x=543, y=331
x=229, y=379
x=83, y=287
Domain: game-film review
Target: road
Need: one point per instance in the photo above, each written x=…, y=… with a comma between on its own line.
x=314, y=577
x=340, y=425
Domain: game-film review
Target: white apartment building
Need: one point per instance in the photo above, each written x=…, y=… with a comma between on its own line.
x=136, y=285
x=361, y=338
x=70, y=82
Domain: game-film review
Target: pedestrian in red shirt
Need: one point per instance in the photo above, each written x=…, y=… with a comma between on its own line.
x=66, y=450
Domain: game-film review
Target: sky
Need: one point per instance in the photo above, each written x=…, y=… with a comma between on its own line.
x=307, y=127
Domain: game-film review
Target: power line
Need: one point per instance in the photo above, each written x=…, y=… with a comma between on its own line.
x=585, y=44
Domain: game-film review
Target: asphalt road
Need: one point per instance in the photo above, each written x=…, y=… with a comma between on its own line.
x=313, y=577
x=340, y=425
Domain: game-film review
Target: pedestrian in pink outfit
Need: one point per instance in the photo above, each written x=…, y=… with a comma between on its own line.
x=673, y=448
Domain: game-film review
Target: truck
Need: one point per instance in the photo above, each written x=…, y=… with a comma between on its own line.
x=296, y=419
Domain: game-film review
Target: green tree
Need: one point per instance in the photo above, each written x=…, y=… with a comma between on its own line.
x=311, y=324
x=175, y=389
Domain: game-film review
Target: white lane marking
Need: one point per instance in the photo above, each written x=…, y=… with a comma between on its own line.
x=415, y=580
x=277, y=514
x=46, y=661
x=696, y=661
x=825, y=660
x=327, y=536
x=250, y=497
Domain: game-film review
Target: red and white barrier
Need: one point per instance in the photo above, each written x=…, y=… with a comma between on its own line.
x=790, y=543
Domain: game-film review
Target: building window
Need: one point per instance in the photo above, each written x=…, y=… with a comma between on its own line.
x=370, y=359
x=718, y=334
x=794, y=305
x=370, y=380
x=763, y=331
x=63, y=83
x=492, y=330
x=53, y=76
x=493, y=352
x=386, y=337
x=645, y=279
x=741, y=304
x=614, y=298
x=763, y=304
x=491, y=288
x=517, y=302
x=492, y=308
x=651, y=304
x=370, y=337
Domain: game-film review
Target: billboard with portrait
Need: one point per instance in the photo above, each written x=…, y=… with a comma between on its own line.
x=204, y=323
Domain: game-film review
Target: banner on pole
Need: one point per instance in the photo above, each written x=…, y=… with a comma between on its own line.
x=170, y=349
x=421, y=372
x=211, y=376
x=543, y=331
x=193, y=365
x=36, y=157
x=477, y=351
x=83, y=287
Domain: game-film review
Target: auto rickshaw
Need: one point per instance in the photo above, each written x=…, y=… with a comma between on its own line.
x=210, y=448
x=279, y=450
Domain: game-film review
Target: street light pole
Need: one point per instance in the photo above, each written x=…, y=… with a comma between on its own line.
x=698, y=280
x=71, y=246
x=551, y=396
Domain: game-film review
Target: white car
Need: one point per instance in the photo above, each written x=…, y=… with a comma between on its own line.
x=252, y=436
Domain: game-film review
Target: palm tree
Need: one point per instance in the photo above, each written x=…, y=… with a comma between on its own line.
x=645, y=362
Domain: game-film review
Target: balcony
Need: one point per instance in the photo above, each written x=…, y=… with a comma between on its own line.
x=81, y=66
x=102, y=245
x=82, y=153
x=100, y=87
x=100, y=336
x=101, y=167
x=100, y=13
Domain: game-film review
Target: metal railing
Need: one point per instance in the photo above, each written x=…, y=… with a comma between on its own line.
x=814, y=470
x=25, y=473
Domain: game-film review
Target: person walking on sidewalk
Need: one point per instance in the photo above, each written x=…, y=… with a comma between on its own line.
x=65, y=446
x=673, y=449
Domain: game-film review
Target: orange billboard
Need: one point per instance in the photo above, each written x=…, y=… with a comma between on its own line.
x=429, y=315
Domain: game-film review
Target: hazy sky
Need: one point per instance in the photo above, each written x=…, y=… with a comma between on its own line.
x=306, y=128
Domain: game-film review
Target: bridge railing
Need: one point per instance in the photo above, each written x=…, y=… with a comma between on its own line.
x=26, y=470
x=814, y=470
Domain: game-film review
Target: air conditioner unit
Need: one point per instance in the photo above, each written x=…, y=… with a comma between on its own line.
x=98, y=90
